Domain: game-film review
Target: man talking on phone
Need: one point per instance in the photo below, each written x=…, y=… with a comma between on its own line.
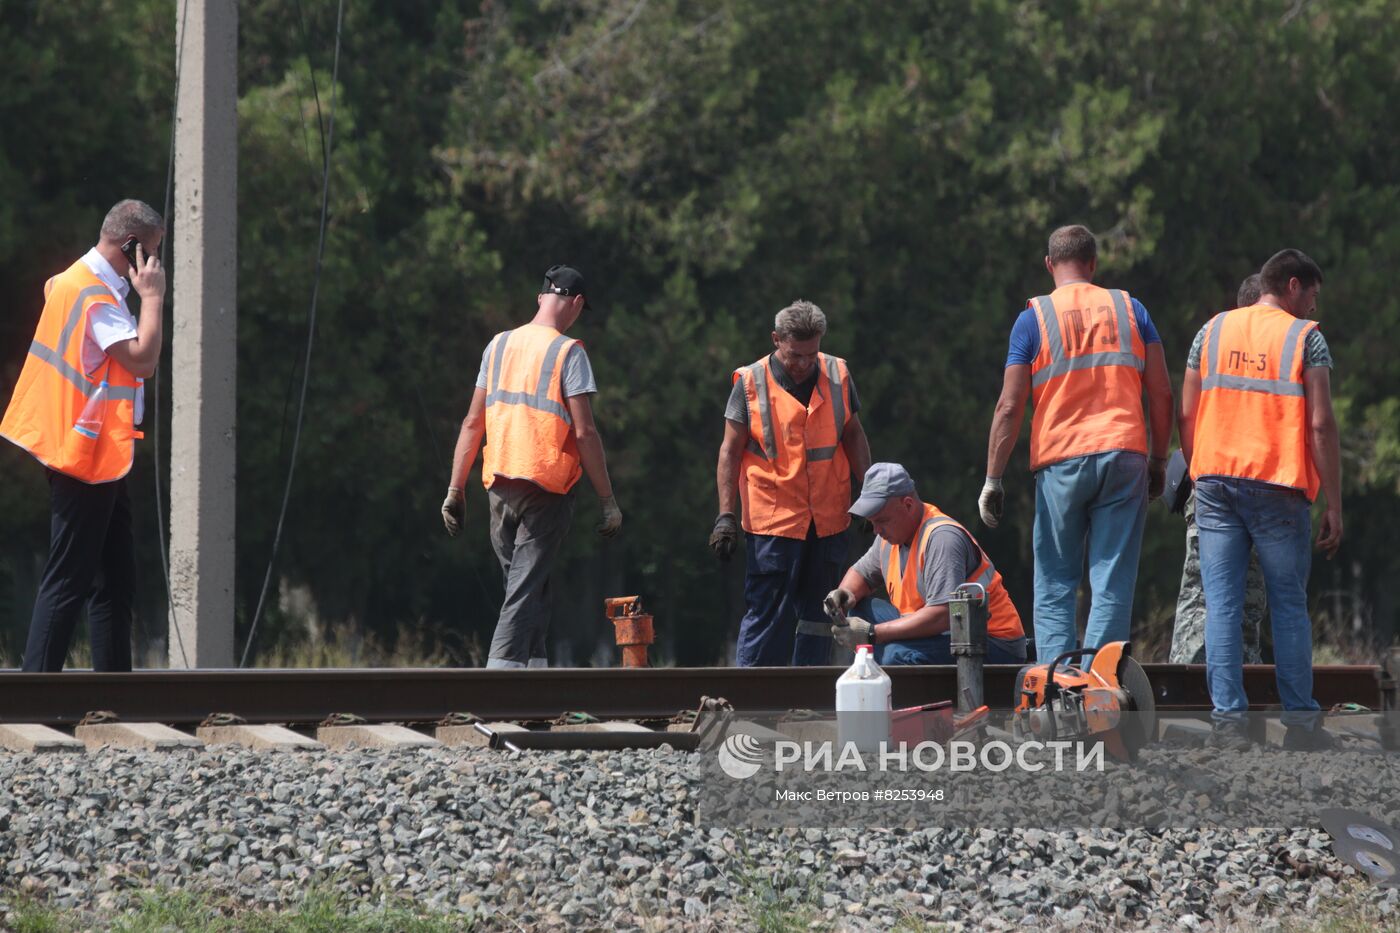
x=77, y=409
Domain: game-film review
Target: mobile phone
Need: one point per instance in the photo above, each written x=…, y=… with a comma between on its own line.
x=129, y=251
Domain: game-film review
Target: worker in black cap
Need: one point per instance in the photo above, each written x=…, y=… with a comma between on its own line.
x=532, y=408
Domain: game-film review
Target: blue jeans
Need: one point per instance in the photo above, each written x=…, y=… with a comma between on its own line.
x=1098, y=502
x=784, y=586
x=935, y=650
x=1232, y=514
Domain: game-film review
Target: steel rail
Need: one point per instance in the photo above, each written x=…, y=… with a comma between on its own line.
x=425, y=695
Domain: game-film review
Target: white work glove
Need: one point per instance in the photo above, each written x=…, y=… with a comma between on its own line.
x=854, y=633
x=991, y=501
x=837, y=603
x=454, y=511
x=612, y=517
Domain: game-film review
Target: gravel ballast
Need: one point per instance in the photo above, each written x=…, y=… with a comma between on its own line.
x=606, y=840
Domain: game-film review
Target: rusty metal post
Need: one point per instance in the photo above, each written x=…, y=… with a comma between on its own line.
x=632, y=628
x=967, y=629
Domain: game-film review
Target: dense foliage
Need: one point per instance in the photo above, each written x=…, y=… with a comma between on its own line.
x=899, y=163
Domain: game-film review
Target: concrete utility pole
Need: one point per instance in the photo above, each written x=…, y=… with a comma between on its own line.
x=204, y=350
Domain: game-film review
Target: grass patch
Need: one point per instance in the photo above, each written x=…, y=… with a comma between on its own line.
x=321, y=911
x=1351, y=912
x=777, y=898
x=909, y=923
x=30, y=916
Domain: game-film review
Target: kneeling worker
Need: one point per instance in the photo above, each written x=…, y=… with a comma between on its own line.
x=920, y=558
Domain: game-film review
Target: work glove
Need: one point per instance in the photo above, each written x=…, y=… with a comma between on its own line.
x=837, y=603
x=1156, y=477
x=991, y=501
x=454, y=511
x=725, y=538
x=854, y=633
x=612, y=517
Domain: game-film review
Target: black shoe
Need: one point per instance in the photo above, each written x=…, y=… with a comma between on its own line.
x=1229, y=736
x=1303, y=739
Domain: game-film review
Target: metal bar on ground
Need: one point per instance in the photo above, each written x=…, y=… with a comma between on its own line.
x=589, y=741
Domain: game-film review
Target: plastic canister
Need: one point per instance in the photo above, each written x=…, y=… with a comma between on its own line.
x=863, y=703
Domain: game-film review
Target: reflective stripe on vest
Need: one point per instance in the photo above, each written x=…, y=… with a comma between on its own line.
x=529, y=430
x=1059, y=364
x=79, y=382
x=52, y=390
x=902, y=575
x=794, y=474
x=1251, y=372
x=1086, y=378
x=540, y=400
x=1292, y=342
x=769, y=448
x=75, y=314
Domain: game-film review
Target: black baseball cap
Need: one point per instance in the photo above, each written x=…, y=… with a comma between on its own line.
x=566, y=281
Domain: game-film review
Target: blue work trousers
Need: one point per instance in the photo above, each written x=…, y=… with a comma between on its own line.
x=1232, y=514
x=935, y=650
x=1098, y=504
x=787, y=580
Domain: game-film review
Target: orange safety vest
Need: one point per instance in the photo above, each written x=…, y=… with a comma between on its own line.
x=529, y=431
x=794, y=471
x=53, y=389
x=1003, y=621
x=1252, y=419
x=1086, y=381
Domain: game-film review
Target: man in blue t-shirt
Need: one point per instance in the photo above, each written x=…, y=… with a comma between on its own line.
x=1089, y=442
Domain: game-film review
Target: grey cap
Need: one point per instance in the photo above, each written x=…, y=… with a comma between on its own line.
x=883, y=482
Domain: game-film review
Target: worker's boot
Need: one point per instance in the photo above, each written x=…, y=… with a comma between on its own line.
x=1303, y=739
x=1229, y=736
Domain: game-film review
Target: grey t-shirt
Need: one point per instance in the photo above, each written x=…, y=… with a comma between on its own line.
x=577, y=376
x=950, y=559
x=737, y=410
x=1315, y=352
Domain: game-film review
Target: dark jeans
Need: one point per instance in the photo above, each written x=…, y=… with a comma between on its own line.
x=527, y=527
x=90, y=559
x=787, y=580
x=1232, y=515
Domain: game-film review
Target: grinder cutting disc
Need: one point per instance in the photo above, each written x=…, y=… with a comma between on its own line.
x=1140, y=726
x=1354, y=826
x=1380, y=865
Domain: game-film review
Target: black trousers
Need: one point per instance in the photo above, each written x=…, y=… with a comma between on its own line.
x=92, y=560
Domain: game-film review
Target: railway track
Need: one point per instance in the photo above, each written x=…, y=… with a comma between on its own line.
x=411, y=695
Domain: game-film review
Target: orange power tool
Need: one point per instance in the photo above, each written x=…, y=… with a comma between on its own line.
x=1109, y=698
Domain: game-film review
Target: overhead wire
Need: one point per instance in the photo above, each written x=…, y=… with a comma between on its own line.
x=310, y=336
x=325, y=129
x=311, y=166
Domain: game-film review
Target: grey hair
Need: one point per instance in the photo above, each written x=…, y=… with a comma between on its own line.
x=131, y=218
x=800, y=320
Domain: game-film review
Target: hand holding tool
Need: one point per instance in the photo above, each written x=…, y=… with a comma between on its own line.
x=853, y=633
x=837, y=603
